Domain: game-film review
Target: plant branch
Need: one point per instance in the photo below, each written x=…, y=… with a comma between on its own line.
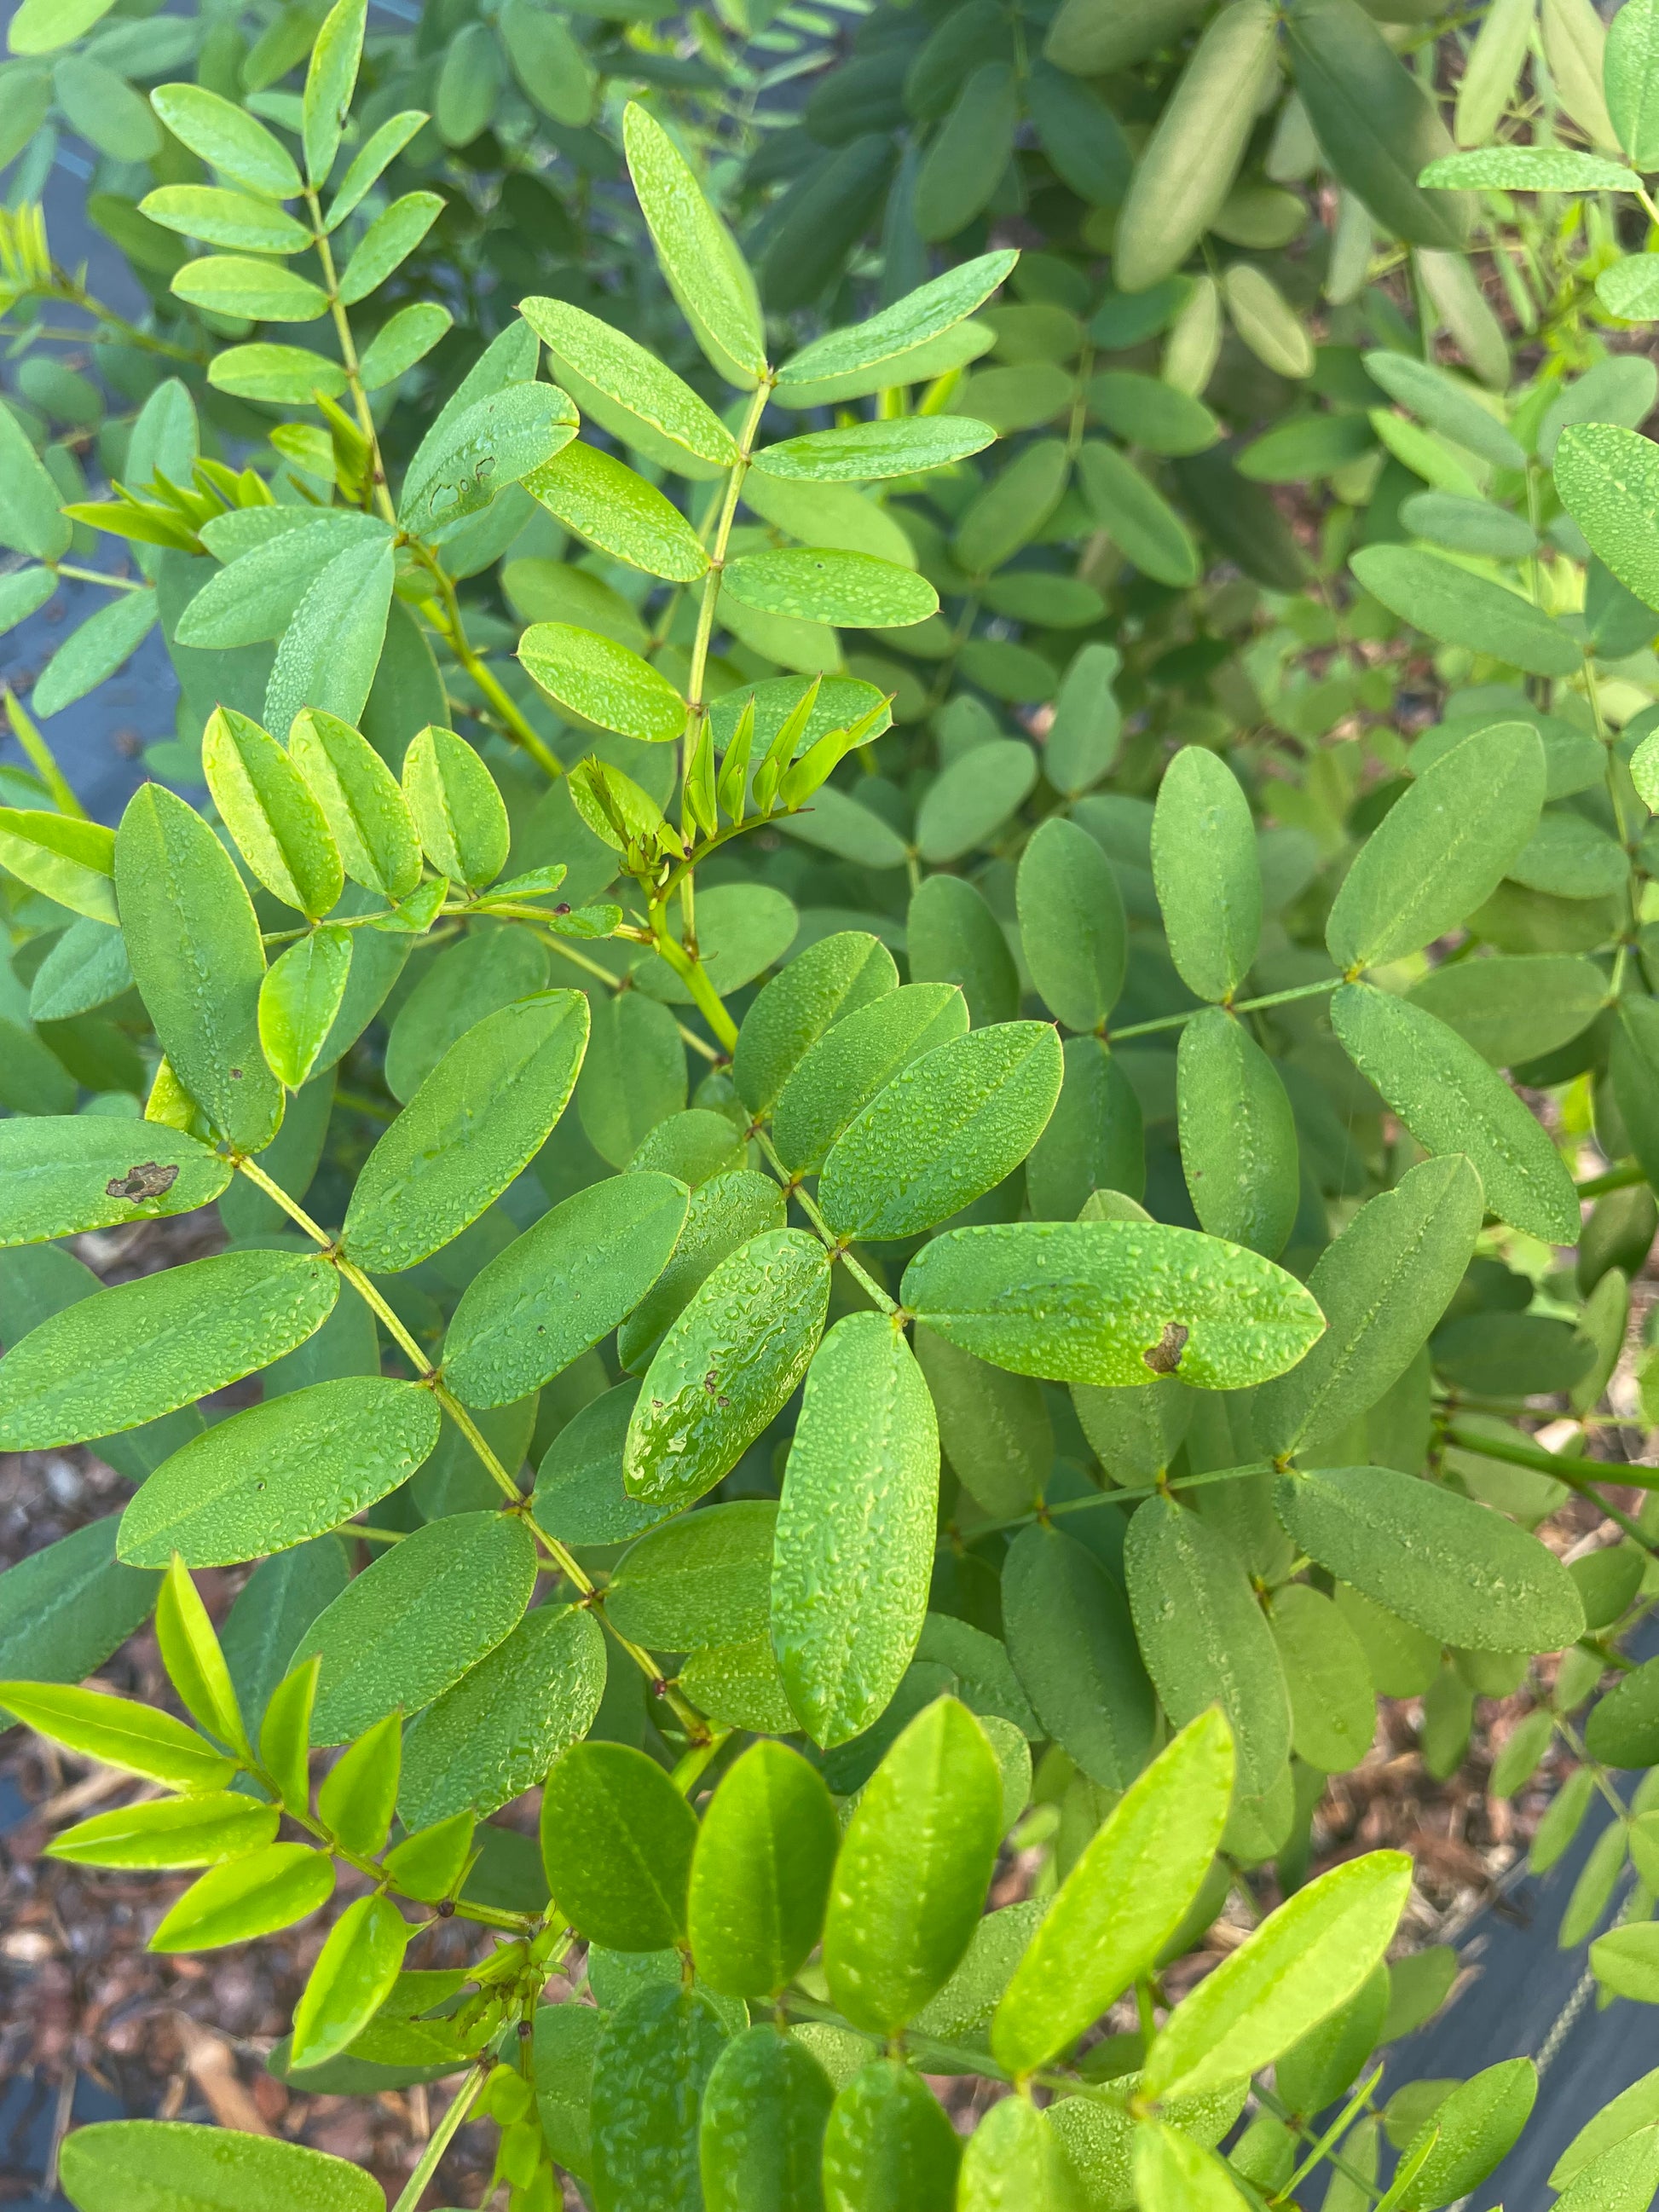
x=348, y=357
x=561, y=1556
x=1238, y=1006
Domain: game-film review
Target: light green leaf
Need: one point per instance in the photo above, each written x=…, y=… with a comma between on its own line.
x=855, y=1548
x=1460, y=608
x=94, y=651
x=655, y=2056
x=604, y=501
x=823, y=586
x=972, y=798
x=1238, y=1140
x=703, y=1580
x=125, y=1355
x=1137, y=518
x=888, y=2147
x=281, y=375
x=1015, y=2162
x=71, y=861
x=1452, y=1101
x=228, y=139
x=389, y=240
x=342, y=1445
x=1173, y=2173
x=809, y=996
x=255, y=1895
x=1528, y=169
x=330, y=79
x=1460, y=1572
x=148, y=2165
x=1204, y=1637
x=891, y=348
x=862, y=452
x=353, y=1977
x=417, y=1618
x=169, y=1832
x=262, y=291
x=361, y=802
x=753, y=1326
x=271, y=812
x=760, y=1873
x=699, y=256
x=496, y=1732
x=1442, y=849
x=1122, y=1900
x=258, y=593
x=65, y=1174
x=222, y=218
x=1112, y=1302
x=602, y=681
x=477, y=1122
x=41, y=25
x=617, y=1840
x=1382, y=1286
x=118, y=1732
x=629, y=393
x=1608, y=480
x=462, y=463
x=30, y=517
x=1071, y=923
x=846, y=1068
x=372, y=158
x=1304, y=1961
x=1072, y=1646
x=455, y=806
x=563, y=1284
x=401, y=341
x=944, y=1129
x=330, y=650
x=764, y=2110
x=910, y=1883
x=1206, y=870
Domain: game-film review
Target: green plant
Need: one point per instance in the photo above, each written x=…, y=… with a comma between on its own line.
x=1253, y=1447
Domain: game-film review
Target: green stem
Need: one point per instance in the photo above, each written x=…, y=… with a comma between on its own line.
x=695, y=976
x=568, y=1565
x=1624, y=1178
x=564, y=947
x=1333, y=2135
x=348, y=358
x=809, y=1206
x=1282, y=2110
x=1573, y=1471
x=64, y=288
x=447, y=620
x=1238, y=1006
x=98, y=576
x=439, y=2141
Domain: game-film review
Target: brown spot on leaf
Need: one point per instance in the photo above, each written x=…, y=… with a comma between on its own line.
x=711, y=1381
x=1164, y=1357
x=148, y=1179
